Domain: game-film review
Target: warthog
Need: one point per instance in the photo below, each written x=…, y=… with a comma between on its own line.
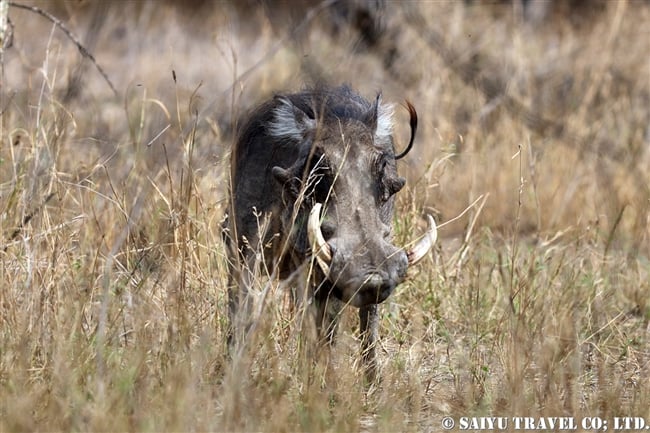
x=314, y=177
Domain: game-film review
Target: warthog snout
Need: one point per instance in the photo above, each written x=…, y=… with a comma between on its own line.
x=343, y=262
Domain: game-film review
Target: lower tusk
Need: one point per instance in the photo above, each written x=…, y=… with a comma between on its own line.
x=321, y=249
x=423, y=246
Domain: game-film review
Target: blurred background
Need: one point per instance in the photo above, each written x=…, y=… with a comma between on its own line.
x=540, y=107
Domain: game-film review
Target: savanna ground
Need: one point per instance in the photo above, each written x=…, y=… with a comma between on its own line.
x=534, y=143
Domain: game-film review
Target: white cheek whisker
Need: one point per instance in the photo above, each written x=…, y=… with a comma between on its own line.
x=289, y=122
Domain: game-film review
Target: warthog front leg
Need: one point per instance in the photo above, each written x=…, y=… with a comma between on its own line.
x=327, y=314
x=368, y=324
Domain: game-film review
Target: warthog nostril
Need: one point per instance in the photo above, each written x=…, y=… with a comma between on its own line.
x=378, y=284
x=376, y=288
x=373, y=280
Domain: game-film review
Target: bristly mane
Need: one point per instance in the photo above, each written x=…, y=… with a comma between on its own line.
x=325, y=104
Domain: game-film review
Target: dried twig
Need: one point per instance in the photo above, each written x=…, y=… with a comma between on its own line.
x=57, y=22
x=6, y=27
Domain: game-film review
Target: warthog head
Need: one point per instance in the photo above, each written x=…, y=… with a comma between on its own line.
x=340, y=190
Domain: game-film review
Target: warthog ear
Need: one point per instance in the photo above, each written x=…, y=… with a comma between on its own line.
x=289, y=121
x=384, y=122
x=380, y=119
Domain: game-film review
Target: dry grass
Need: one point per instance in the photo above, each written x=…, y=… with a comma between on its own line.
x=113, y=301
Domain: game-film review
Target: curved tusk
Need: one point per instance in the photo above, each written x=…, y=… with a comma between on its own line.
x=423, y=246
x=322, y=250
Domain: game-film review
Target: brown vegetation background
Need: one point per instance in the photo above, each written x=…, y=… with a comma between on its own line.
x=533, y=153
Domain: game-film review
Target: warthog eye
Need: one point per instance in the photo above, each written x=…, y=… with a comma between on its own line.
x=395, y=185
x=390, y=183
